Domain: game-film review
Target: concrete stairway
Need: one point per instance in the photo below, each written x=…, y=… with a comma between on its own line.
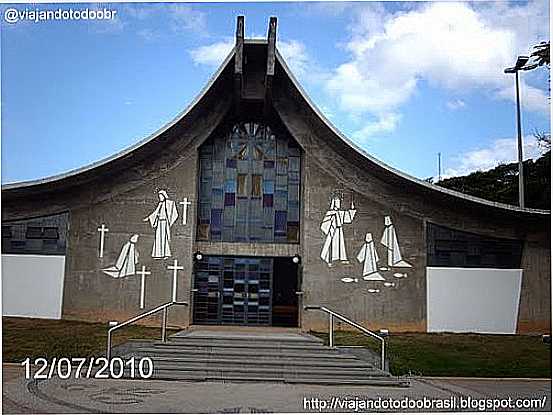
x=234, y=356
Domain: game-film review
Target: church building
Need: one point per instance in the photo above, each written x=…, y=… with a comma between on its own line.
x=249, y=206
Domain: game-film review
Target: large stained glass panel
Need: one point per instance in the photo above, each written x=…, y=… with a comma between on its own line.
x=249, y=188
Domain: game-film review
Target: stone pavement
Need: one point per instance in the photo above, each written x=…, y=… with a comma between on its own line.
x=143, y=396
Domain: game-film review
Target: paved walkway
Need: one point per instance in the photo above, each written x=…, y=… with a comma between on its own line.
x=126, y=396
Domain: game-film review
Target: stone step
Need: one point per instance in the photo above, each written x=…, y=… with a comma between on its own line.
x=257, y=357
x=242, y=345
x=281, y=363
x=239, y=378
x=276, y=372
x=246, y=337
x=240, y=352
x=259, y=335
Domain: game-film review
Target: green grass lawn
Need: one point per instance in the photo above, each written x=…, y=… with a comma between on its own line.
x=448, y=354
x=416, y=353
x=33, y=337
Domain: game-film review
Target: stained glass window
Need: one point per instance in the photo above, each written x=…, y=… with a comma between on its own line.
x=43, y=235
x=249, y=186
x=448, y=247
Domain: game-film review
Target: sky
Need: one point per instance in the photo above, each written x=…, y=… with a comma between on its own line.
x=404, y=80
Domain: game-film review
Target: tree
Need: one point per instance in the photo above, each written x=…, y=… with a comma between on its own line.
x=544, y=139
x=541, y=54
x=501, y=183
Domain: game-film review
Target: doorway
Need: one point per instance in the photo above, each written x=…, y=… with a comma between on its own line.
x=253, y=291
x=285, y=299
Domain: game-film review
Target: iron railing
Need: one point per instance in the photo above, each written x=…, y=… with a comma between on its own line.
x=163, y=307
x=365, y=331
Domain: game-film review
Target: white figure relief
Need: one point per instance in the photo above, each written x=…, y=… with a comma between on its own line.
x=175, y=268
x=369, y=257
x=126, y=262
x=348, y=280
x=373, y=290
x=400, y=275
x=143, y=274
x=103, y=230
x=389, y=240
x=185, y=203
x=161, y=219
x=334, y=247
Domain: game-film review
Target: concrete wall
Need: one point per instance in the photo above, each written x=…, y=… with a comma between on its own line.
x=401, y=307
x=474, y=300
x=93, y=295
x=32, y=285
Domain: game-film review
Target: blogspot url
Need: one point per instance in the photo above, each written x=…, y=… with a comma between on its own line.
x=406, y=404
x=12, y=15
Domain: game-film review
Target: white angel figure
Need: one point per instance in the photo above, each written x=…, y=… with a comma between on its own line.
x=369, y=257
x=161, y=219
x=126, y=262
x=334, y=247
x=389, y=240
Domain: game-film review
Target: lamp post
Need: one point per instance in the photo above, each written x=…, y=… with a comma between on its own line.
x=520, y=65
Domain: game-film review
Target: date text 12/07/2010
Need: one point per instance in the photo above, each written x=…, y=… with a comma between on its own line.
x=92, y=367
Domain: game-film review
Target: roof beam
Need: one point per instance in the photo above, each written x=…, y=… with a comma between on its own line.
x=238, y=62
x=271, y=57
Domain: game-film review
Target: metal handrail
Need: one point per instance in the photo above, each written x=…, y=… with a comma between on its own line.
x=367, y=332
x=163, y=307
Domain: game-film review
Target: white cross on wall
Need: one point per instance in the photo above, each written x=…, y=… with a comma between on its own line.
x=185, y=203
x=143, y=274
x=103, y=230
x=176, y=268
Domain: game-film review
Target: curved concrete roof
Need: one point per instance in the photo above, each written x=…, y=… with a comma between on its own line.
x=313, y=107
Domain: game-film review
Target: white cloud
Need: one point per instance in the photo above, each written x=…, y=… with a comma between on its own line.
x=384, y=124
x=295, y=55
x=531, y=97
x=500, y=151
x=184, y=18
x=139, y=12
x=212, y=55
x=455, y=104
x=455, y=46
x=293, y=51
x=179, y=18
x=148, y=34
x=324, y=8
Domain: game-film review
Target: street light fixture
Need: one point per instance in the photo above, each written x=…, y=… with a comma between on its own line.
x=520, y=66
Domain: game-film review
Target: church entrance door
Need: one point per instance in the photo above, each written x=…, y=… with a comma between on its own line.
x=253, y=291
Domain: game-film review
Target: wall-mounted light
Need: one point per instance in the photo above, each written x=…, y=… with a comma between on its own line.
x=296, y=259
x=198, y=256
